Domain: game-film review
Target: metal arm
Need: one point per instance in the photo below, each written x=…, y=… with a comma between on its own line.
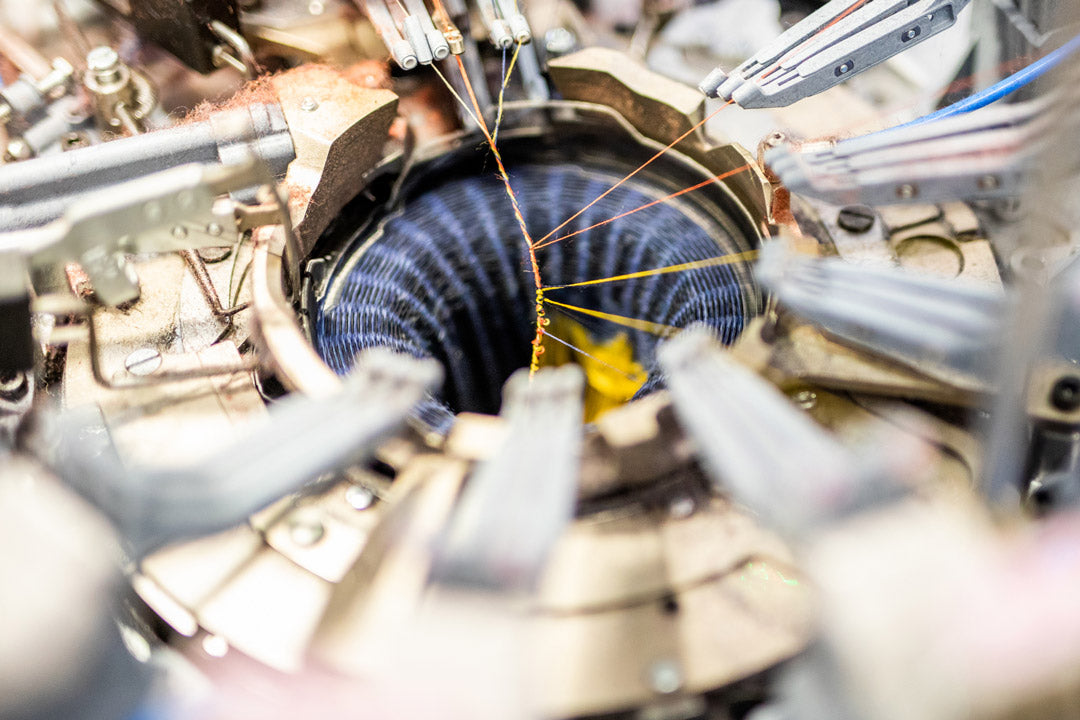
x=841, y=39
x=978, y=156
x=943, y=329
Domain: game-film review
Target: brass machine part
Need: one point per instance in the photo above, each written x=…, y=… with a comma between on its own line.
x=657, y=593
x=123, y=98
x=941, y=240
x=336, y=137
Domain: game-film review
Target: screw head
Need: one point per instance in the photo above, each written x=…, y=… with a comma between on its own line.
x=18, y=149
x=13, y=386
x=143, y=361
x=907, y=191
x=214, y=230
x=665, y=677
x=215, y=646
x=359, y=497
x=306, y=531
x=806, y=399
x=309, y=104
x=1065, y=395
x=856, y=219
x=102, y=59
x=681, y=507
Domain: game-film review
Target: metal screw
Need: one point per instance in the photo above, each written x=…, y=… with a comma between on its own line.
x=306, y=531
x=74, y=140
x=143, y=361
x=102, y=58
x=806, y=399
x=907, y=191
x=665, y=676
x=179, y=232
x=57, y=77
x=214, y=229
x=18, y=149
x=309, y=104
x=856, y=219
x=911, y=34
x=13, y=386
x=1065, y=395
x=104, y=63
x=682, y=507
x=215, y=646
x=359, y=497
x=845, y=68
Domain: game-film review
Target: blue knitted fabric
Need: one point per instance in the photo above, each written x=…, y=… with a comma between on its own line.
x=449, y=278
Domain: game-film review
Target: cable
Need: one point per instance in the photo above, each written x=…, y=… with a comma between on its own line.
x=1005, y=87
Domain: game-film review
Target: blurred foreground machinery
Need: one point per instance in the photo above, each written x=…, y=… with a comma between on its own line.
x=802, y=445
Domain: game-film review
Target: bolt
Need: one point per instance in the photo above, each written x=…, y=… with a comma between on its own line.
x=907, y=191
x=74, y=141
x=57, y=77
x=104, y=64
x=665, y=677
x=559, y=41
x=215, y=646
x=455, y=40
x=856, y=219
x=144, y=361
x=911, y=34
x=845, y=68
x=179, y=232
x=309, y=104
x=18, y=149
x=806, y=399
x=1065, y=395
x=306, y=531
x=682, y=507
x=214, y=230
x=359, y=497
x=13, y=386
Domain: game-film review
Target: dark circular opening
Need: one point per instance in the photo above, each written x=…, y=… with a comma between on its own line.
x=446, y=273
